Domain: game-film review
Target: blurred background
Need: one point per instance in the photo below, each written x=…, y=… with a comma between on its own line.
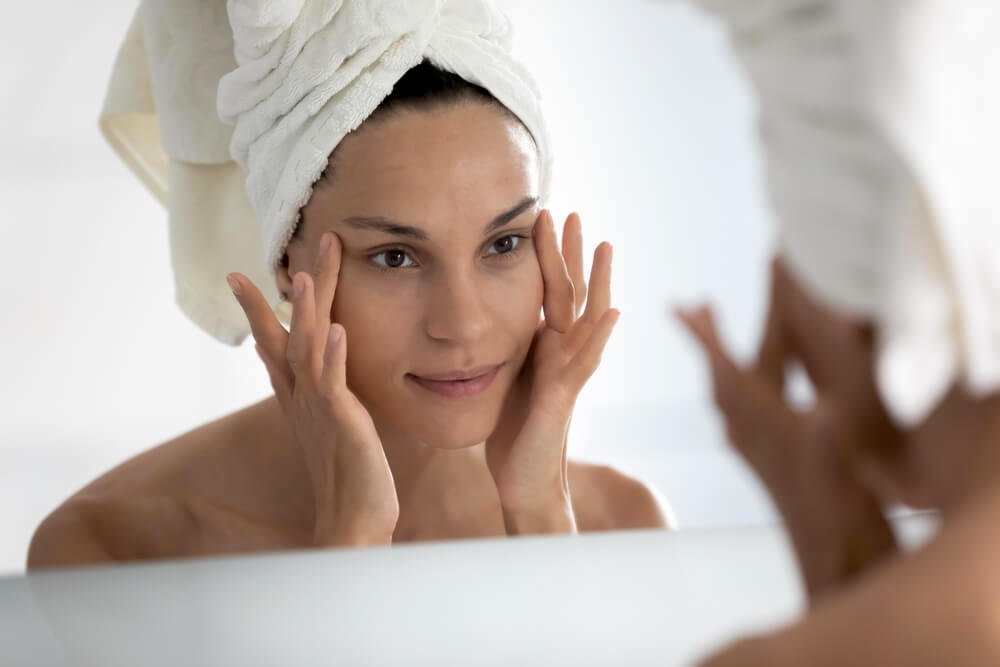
x=655, y=146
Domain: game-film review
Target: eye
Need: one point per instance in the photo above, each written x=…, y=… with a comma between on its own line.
x=504, y=245
x=393, y=258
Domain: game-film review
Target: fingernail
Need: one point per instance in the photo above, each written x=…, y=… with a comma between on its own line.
x=334, y=335
x=324, y=244
x=539, y=221
x=296, y=286
x=233, y=285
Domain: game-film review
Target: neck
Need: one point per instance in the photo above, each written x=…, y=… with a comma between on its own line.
x=433, y=484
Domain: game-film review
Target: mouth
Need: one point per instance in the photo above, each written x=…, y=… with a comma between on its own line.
x=458, y=384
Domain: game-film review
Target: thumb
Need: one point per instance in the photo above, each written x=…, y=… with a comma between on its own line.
x=727, y=377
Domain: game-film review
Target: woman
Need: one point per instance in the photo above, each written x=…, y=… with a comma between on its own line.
x=881, y=141
x=417, y=395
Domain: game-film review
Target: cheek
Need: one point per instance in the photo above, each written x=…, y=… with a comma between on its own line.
x=379, y=331
x=522, y=301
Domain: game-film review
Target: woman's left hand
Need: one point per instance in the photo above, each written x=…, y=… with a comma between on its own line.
x=527, y=452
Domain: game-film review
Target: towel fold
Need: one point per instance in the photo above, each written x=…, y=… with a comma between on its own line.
x=228, y=113
x=879, y=125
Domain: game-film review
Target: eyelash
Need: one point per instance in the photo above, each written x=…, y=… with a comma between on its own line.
x=505, y=256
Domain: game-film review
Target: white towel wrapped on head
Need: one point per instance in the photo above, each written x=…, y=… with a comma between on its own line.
x=229, y=114
x=881, y=127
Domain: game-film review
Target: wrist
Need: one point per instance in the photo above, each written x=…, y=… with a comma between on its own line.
x=333, y=529
x=540, y=517
x=339, y=535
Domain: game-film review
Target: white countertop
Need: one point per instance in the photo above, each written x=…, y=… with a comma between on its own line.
x=616, y=599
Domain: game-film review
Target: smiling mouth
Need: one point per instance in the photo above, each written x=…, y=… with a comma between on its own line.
x=458, y=384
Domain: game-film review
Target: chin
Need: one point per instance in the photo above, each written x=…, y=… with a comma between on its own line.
x=458, y=432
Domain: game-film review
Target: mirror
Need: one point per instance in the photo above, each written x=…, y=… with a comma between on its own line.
x=653, y=136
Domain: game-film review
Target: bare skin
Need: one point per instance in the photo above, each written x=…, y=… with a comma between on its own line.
x=352, y=450
x=239, y=485
x=830, y=468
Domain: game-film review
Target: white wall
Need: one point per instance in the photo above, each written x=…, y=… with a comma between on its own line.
x=653, y=130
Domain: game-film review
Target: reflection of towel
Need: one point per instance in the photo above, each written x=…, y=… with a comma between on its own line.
x=880, y=125
x=292, y=77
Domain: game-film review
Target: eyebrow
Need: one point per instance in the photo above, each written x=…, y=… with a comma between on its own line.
x=388, y=226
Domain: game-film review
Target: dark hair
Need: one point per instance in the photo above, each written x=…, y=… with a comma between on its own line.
x=424, y=86
x=427, y=86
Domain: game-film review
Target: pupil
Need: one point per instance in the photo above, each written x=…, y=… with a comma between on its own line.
x=394, y=258
x=504, y=244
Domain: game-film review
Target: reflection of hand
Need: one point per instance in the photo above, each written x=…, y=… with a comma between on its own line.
x=808, y=460
x=527, y=452
x=356, y=500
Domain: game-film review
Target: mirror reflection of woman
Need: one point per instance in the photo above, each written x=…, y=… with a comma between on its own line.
x=418, y=395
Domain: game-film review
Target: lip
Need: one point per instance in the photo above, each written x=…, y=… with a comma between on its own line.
x=458, y=384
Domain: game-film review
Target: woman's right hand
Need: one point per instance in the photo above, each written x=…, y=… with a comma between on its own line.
x=809, y=460
x=356, y=503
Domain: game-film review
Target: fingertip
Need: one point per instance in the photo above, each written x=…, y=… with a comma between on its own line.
x=683, y=313
x=684, y=319
x=300, y=283
x=336, y=334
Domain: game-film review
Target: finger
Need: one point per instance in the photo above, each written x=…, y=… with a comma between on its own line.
x=334, y=378
x=301, y=350
x=577, y=336
x=815, y=333
x=599, y=300
x=732, y=389
x=701, y=322
x=280, y=384
x=725, y=372
x=759, y=423
x=572, y=252
x=267, y=331
x=586, y=361
x=558, y=300
x=326, y=273
x=772, y=353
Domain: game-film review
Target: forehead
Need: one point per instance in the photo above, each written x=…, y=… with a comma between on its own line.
x=422, y=166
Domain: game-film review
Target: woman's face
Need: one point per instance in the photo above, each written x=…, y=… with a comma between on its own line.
x=439, y=279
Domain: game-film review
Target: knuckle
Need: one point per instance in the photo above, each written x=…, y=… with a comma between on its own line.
x=328, y=393
x=333, y=399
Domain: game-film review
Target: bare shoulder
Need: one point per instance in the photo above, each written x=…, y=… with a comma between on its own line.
x=228, y=485
x=607, y=499
x=89, y=530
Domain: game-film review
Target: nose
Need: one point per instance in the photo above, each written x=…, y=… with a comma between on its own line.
x=459, y=310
